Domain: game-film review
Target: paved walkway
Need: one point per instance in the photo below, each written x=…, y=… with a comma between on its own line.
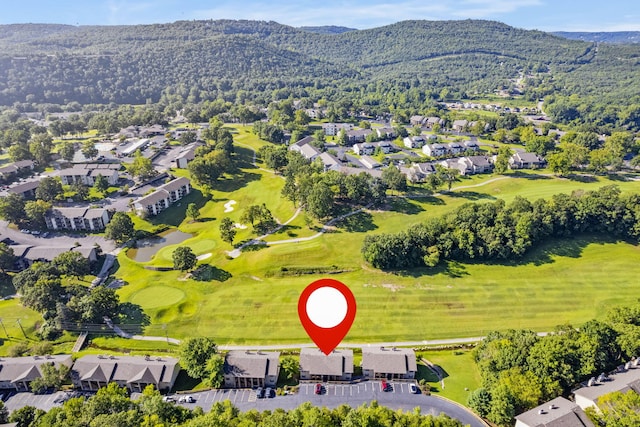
x=106, y=266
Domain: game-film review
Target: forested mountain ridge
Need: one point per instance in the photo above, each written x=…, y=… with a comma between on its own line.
x=209, y=59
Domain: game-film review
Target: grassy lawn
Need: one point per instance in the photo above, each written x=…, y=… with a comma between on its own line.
x=461, y=373
x=252, y=300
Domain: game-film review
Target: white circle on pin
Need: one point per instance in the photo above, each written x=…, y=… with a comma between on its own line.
x=326, y=307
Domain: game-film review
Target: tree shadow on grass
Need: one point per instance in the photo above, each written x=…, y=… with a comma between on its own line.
x=545, y=253
x=176, y=213
x=406, y=206
x=453, y=269
x=254, y=247
x=184, y=382
x=618, y=177
x=208, y=273
x=358, y=223
x=236, y=182
x=115, y=266
x=529, y=176
x=470, y=195
x=244, y=157
x=289, y=230
x=582, y=178
x=208, y=219
x=132, y=318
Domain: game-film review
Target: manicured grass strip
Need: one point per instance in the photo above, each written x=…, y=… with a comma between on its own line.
x=158, y=296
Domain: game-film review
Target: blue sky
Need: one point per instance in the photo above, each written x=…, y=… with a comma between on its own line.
x=546, y=15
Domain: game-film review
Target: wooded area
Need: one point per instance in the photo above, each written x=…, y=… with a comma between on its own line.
x=405, y=65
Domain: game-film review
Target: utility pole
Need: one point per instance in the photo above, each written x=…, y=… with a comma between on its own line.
x=5, y=329
x=22, y=329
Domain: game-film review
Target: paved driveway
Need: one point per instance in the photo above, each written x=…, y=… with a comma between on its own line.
x=335, y=395
x=41, y=401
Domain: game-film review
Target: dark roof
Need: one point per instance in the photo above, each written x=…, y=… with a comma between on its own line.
x=175, y=184
x=314, y=361
x=303, y=141
x=479, y=160
x=13, y=369
x=162, y=192
x=621, y=381
x=24, y=187
x=559, y=412
x=129, y=369
x=528, y=157
x=251, y=365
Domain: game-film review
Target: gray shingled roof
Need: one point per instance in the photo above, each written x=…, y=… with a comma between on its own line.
x=251, y=365
x=27, y=368
x=316, y=362
x=125, y=368
x=389, y=360
x=153, y=198
x=621, y=381
x=559, y=412
x=24, y=187
x=175, y=184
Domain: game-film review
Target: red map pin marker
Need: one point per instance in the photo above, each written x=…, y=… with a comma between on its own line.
x=327, y=309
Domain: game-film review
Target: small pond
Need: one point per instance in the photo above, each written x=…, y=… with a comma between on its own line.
x=147, y=248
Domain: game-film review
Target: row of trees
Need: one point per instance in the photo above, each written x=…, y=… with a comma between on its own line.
x=69, y=307
x=214, y=159
x=496, y=230
x=520, y=369
x=322, y=193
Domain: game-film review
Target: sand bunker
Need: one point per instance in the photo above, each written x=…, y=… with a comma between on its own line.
x=228, y=207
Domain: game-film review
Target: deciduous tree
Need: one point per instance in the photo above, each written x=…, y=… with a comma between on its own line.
x=193, y=212
x=184, y=258
x=227, y=230
x=49, y=189
x=120, y=228
x=195, y=352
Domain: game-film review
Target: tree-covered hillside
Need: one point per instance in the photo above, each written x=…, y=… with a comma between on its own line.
x=212, y=59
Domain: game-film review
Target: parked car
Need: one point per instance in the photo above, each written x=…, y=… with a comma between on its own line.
x=386, y=386
x=268, y=393
x=259, y=392
x=35, y=232
x=168, y=399
x=318, y=389
x=186, y=399
x=413, y=388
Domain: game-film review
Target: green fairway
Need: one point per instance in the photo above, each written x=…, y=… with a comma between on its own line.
x=253, y=298
x=157, y=296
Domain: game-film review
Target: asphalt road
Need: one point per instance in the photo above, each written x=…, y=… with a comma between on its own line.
x=334, y=395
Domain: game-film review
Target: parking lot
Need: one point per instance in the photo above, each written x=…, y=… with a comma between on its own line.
x=333, y=395
x=45, y=402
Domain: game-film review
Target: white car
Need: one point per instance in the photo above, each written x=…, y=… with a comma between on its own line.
x=413, y=388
